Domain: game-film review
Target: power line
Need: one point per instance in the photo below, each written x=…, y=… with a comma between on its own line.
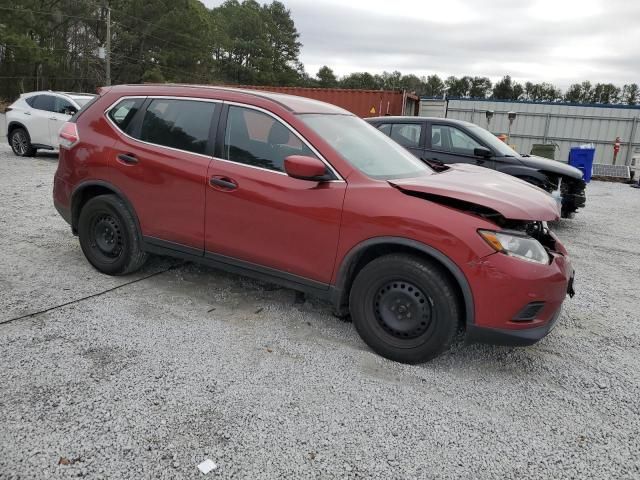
x=180, y=47
x=142, y=20
x=55, y=14
x=193, y=75
x=168, y=42
x=45, y=48
x=52, y=76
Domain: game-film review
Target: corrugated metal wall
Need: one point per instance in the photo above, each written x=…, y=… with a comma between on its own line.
x=565, y=125
x=430, y=107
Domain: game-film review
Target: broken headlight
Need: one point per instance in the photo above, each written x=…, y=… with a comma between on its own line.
x=516, y=245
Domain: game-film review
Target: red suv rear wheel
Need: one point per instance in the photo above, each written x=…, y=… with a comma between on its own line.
x=109, y=237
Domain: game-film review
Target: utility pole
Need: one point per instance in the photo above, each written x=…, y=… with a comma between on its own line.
x=108, y=47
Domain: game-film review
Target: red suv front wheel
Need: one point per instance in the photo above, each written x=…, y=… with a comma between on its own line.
x=405, y=308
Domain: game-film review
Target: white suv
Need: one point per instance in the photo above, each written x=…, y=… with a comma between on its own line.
x=34, y=120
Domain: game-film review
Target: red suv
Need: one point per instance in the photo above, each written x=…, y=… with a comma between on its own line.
x=305, y=194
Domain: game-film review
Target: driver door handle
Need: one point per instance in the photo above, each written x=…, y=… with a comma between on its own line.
x=127, y=159
x=224, y=182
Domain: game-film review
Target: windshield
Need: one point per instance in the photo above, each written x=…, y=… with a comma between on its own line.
x=364, y=147
x=492, y=141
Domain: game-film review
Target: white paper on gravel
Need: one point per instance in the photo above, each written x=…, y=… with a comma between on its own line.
x=206, y=466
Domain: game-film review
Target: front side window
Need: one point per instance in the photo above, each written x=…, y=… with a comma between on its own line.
x=44, y=102
x=181, y=124
x=255, y=138
x=452, y=140
x=123, y=112
x=365, y=147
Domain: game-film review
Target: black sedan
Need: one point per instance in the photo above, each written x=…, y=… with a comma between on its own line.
x=440, y=141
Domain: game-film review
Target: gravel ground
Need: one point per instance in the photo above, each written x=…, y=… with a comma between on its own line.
x=155, y=372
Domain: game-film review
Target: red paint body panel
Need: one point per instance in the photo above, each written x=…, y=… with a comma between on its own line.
x=275, y=220
x=305, y=228
x=516, y=200
x=167, y=188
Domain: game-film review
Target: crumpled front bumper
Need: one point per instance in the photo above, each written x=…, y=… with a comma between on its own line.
x=505, y=289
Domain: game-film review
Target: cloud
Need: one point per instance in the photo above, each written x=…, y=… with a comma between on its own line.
x=547, y=40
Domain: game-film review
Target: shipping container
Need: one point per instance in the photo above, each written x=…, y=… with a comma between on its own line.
x=562, y=124
x=364, y=103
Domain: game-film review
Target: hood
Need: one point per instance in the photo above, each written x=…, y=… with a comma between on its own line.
x=514, y=199
x=553, y=166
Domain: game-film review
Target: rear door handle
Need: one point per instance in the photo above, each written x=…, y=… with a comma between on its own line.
x=224, y=182
x=27, y=113
x=127, y=159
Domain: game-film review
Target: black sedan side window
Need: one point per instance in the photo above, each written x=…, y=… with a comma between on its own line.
x=452, y=140
x=406, y=134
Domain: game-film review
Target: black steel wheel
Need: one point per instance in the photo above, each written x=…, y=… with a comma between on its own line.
x=405, y=308
x=21, y=143
x=109, y=236
x=106, y=237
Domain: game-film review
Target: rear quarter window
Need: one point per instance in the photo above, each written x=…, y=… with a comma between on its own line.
x=31, y=100
x=44, y=102
x=123, y=112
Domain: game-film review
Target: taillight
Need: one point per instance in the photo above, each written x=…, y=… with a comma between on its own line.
x=69, y=135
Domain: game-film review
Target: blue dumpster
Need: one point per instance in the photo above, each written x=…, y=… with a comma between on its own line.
x=582, y=158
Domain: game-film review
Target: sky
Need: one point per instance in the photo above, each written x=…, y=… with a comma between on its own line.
x=558, y=41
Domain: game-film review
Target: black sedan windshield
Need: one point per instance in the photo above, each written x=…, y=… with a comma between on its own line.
x=365, y=147
x=492, y=141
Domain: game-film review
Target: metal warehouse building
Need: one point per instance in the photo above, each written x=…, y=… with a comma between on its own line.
x=566, y=125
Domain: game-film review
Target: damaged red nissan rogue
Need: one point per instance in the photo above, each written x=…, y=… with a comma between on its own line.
x=306, y=195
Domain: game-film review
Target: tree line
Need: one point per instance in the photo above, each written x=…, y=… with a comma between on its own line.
x=482, y=87
x=59, y=45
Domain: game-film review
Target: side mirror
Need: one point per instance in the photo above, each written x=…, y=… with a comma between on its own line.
x=305, y=168
x=70, y=111
x=482, y=152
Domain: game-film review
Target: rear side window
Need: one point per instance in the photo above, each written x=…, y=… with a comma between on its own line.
x=62, y=105
x=406, y=134
x=181, y=124
x=385, y=128
x=45, y=102
x=31, y=100
x=255, y=138
x=123, y=112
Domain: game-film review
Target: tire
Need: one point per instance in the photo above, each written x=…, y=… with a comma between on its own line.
x=109, y=237
x=20, y=142
x=405, y=308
